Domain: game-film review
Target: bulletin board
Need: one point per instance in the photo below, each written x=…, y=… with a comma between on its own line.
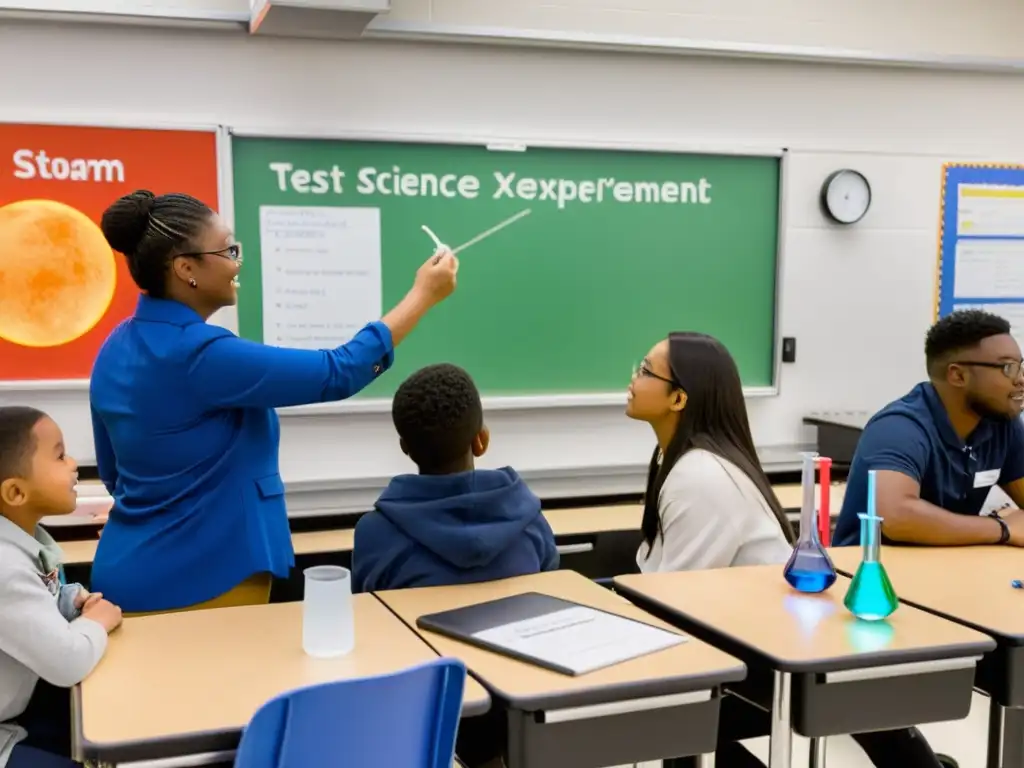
x=62, y=289
x=981, y=241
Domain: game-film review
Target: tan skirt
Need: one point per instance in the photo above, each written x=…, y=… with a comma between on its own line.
x=253, y=591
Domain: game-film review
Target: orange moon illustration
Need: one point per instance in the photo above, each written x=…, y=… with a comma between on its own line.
x=57, y=273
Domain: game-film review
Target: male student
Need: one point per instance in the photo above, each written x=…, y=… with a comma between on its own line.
x=451, y=523
x=51, y=634
x=941, y=448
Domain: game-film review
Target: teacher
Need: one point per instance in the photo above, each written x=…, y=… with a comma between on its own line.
x=183, y=413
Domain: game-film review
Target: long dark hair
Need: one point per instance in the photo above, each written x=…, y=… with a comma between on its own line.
x=714, y=420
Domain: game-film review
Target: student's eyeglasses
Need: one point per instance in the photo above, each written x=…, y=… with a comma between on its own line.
x=641, y=369
x=1011, y=370
x=233, y=252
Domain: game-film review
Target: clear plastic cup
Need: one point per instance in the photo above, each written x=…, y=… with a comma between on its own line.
x=328, y=623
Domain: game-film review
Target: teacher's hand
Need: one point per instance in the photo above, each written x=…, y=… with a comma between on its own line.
x=436, y=279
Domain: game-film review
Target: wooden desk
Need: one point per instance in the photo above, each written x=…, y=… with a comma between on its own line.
x=308, y=543
x=791, y=496
x=83, y=552
x=579, y=521
x=570, y=522
x=970, y=585
x=661, y=705
x=830, y=673
x=187, y=683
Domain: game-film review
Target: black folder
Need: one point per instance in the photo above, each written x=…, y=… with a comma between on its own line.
x=553, y=637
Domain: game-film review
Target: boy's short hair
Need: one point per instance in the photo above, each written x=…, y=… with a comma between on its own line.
x=17, y=440
x=437, y=413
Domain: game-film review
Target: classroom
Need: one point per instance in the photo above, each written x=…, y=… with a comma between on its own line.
x=606, y=174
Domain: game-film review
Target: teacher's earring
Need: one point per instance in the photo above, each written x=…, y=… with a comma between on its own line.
x=192, y=282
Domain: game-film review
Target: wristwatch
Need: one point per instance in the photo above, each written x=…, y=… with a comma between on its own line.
x=1004, y=534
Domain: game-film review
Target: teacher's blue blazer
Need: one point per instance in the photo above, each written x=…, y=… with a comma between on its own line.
x=187, y=443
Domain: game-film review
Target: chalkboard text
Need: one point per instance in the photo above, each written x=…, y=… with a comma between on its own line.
x=562, y=192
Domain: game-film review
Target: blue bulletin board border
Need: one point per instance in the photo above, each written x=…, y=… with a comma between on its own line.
x=953, y=175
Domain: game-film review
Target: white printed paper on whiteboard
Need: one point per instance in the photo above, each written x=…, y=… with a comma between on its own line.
x=1011, y=313
x=580, y=639
x=990, y=210
x=989, y=269
x=321, y=274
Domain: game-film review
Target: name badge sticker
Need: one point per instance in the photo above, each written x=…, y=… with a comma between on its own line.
x=987, y=478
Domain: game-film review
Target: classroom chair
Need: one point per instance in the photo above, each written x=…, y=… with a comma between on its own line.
x=409, y=719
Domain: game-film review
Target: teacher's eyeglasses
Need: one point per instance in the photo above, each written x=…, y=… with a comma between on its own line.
x=233, y=252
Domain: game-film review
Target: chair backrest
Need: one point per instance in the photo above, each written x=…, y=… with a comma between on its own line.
x=408, y=719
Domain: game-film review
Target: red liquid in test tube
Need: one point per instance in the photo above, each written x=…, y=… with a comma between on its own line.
x=824, y=511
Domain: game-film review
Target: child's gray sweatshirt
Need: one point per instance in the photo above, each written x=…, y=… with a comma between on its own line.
x=41, y=632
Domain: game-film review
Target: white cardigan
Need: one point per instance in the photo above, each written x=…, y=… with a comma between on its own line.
x=712, y=516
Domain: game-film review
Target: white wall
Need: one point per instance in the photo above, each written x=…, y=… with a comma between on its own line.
x=858, y=300
x=922, y=29
x=932, y=28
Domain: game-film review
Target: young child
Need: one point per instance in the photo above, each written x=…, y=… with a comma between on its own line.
x=51, y=634
x=451, y=523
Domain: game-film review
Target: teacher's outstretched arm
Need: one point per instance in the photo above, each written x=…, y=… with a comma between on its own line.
x=435, y=281
x=186, y=262
x=231, y=372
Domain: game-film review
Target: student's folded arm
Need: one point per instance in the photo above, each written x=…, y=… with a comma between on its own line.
x=897, y=447
x=66, y=601
x=34, y=633
x=373, y=553
x=106, y=461
x=228, y=372
x=551, y=559
x=1011, y=476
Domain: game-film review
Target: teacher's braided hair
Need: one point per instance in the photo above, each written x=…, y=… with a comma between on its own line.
x=150, y=230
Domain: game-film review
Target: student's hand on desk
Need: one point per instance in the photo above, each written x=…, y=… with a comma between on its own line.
x=1014, y=520
x=435, y=280
x=103, y=612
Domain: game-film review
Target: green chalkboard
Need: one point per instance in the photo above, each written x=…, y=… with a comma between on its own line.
x=618, y=249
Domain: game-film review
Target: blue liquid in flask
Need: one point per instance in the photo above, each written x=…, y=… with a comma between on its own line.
x=809, y=568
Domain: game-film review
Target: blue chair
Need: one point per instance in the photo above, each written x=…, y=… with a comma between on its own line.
x=408, y=719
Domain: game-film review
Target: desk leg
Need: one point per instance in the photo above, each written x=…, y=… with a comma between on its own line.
x=704, y=761
x=994, y=757
x=1005, y=737
x=780, y=753
x=817, y=752
x=1012, y=742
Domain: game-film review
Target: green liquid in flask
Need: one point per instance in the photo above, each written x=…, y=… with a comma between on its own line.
x=870, y=596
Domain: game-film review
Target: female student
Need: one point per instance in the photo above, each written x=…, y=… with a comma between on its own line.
x=709, y=505
x=183, y=413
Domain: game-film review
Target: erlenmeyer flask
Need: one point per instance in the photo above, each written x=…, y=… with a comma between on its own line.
x=870, y=596
x=809, y=568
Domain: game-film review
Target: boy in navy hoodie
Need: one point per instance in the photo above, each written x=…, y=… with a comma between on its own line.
x=451, y=523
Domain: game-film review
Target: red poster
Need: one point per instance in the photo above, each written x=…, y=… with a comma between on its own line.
x=62, y=289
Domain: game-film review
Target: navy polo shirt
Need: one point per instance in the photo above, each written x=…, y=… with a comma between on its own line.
x=913, y=435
